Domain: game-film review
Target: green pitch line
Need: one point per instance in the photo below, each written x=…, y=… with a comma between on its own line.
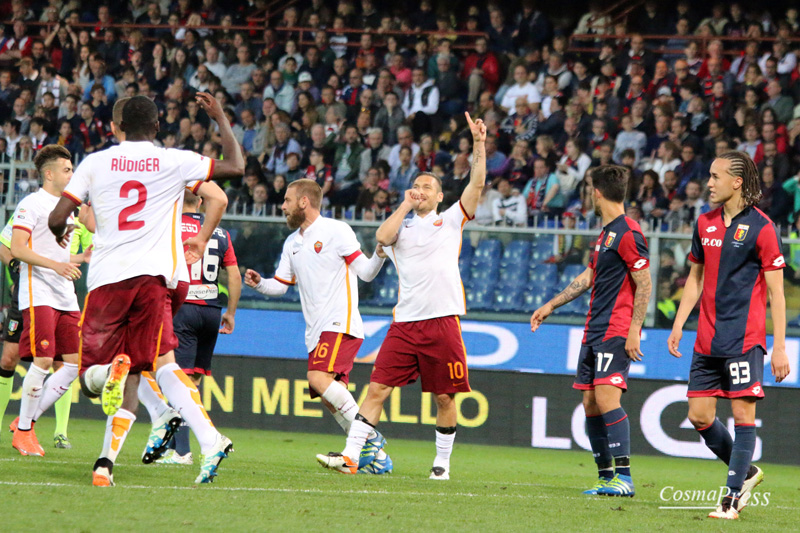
x=272, y=483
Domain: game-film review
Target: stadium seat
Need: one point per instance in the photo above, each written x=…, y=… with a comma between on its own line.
x=487, y=250
x=386, y=296
x=570, y=272
x=516, y=252
x=485, y=271
x=507, y=298
x=515, y=274
x=480, y=296
x=544, y=276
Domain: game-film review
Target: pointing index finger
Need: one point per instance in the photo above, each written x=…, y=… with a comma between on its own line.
x=469, y=118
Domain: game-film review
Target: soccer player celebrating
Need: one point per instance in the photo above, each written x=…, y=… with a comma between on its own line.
x=424, y=339
x=323, y=257
x=619, y=276
x=47, y=298
x=136, y=189
x=197, y=322
x=736, y=263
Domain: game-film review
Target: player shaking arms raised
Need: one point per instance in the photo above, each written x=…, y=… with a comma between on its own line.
x=619, y=276
x=424, y=339
x=46, y=298
x=324, y=257
x=136, y=192
x=736, y=263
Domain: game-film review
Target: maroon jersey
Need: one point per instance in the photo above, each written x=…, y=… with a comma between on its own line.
x=620, y=250
x=733, y=308
x=204, y=274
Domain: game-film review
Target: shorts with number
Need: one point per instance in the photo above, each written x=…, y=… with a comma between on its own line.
x=12, y=325
x=335, y=353
x=196, y=327
x=48, y=332
x=430, y=349
x=740, y=376
x=605, y=363
x=120, y=318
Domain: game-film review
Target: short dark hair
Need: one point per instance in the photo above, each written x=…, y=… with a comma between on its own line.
x=49, y=154
x=116, y=112
x=611, y=181
x=139, y=116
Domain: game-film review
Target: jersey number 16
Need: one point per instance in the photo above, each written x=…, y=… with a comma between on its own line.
x=209, y=266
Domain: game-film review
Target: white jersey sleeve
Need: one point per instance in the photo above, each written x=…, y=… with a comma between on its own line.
x=79, y=184
x=285, y=273
x=193, y=167
x=347, y=245
x=455, y=216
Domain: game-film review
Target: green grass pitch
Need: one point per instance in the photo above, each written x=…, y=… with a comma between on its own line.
x=272, y=483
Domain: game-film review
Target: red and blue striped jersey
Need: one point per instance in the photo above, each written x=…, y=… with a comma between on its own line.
x=733, y=306
x=620, y=250
x=204, y=274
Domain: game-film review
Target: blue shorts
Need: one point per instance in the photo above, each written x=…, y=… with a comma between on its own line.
x=740, y=376
x=605, y=363
x=196, y=327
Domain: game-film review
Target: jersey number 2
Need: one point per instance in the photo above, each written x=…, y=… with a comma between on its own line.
x=141, y=198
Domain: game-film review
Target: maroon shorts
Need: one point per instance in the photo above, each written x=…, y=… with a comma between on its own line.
x=175, y=299
x=120, y=318
x=48, y=332
x=431, y=349
x=335, y=353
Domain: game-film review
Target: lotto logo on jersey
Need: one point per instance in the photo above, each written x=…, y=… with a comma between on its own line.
x=779, y=262
x=318, y=246
x=741, y=232
x=617, y=380
x=756, y=390
x=610, y=239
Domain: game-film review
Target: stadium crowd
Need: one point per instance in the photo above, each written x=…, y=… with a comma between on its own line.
x=364, y=98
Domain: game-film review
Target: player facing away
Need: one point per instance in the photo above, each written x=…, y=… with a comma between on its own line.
x=323, y=257
x=136, y=192
x=12, y=331
x=47, y=298
x=424, y=339
x=619, y=276
x=197, y=322
x=736, y=263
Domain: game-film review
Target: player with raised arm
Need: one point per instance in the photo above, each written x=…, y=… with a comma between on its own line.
x=736, y=263
x=197, y=322
x=619, y=276
x=47, y=298
x=424, y=339
x=323, y=257
x=136, y=191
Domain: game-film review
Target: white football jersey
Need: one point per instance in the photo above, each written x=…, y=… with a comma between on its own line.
x=40, y=286
x=136, y=191
x=318, y=261
x=426, y=257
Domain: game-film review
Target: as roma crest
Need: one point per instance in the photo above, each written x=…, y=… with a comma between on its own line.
x=741, y=232
x=438, y=222
x=318, y=246
x=610, y=239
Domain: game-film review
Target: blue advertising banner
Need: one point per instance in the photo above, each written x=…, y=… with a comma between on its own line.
x=553, y=349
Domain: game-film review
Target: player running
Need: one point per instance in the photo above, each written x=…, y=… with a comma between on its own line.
x=323, y=257
x=619, y=276
x=12, y=331
x=197, y=322
x=736, y=263
x=47, y=298
x=136, y=189
x=424, y=339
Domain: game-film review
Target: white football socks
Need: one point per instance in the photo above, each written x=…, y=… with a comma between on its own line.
x=31, y=395
x=185, y=398
x=95, y=378
x=346, y=407
x=358, y=435
x=444, y=448
x=55, y=387
x=117, y=428
x=151, y=397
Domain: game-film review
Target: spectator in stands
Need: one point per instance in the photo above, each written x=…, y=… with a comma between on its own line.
x=509, y=208
x=572, y=167
x=347, y=162
x=67, y=138
x=481, y=71
x=402, y=176
x=665, y=159
x=239, y=72
x=635, y=53
x=17, y=46
x=12, y=134
x=375, y=150
x=522, y=123
x=389, y=117
x=284, y=145
x=280, y=91
x=629, y=139
x=421, y=103
x=542, y=192
x=260, y=207
x=450, y=87
x=694, y=203
x=501, y=39
x=780, y=104
x=252, y=134
x=774, y=200
x=779, y=163
x=521, y=87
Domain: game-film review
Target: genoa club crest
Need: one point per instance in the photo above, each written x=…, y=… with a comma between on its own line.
x=741, y=232
x=318, y=246
x=610, y=239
